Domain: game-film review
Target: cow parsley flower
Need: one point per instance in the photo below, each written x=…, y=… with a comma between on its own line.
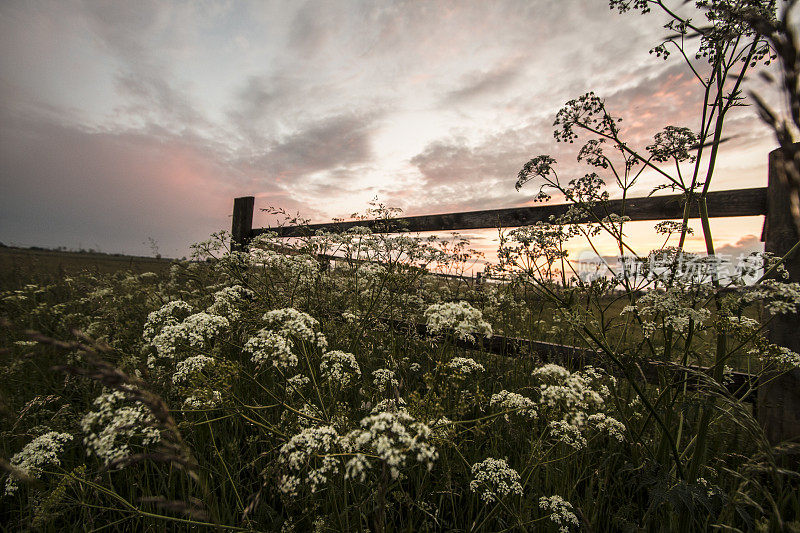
x=169, y=314
x=551, y=373
x=114, y=422
x=461, y=317
x=189, y=366
x=290, y=322
x=568, y=434
x=506, y=400
x=560, y=512
x=228, y=300
x=268, y=346
x=465, y=366
x=204, y=399
x=309, y=458
x=392, y=438
x=43, y=450
x=384, y=379
x=494, y=479
x=196, y=331
x=606, y=424
x=339, y=367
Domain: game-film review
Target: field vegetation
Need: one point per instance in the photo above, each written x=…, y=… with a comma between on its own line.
x=261, y=389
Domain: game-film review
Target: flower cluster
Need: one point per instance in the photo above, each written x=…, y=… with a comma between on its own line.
x=268, y=346
x=189, y=366
x=339, y=367
x=460, y=317
x=608, y=425
x=495, y=479
x=392, y=438
x=170, y=314
x=568, y=434
x=114, y=423
x=464, y=366
x=384, y=379
x=290, y=322
x=203, y=399
x=560, y=512
x=196, y=331
x=43, y=450
x=573, y=393
x=228, y=300
x=512, y=401
x=309, y=459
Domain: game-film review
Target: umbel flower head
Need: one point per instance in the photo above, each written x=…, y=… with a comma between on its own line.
x=339, y=367
x=43, y=450
x=460, y=317
x=309, y=459
x=391, y=437
x=494, y=479
x=115, y=423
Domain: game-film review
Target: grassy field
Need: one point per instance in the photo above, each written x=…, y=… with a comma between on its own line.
x=262, y=392
x=19, y=266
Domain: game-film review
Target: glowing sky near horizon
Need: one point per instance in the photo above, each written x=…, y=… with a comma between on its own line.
x=125, y=121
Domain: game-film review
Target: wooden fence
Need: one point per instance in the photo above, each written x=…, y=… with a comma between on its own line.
x=778, y=401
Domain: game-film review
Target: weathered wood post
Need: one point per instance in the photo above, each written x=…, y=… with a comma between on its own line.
x=779, y=399
x=242, y=223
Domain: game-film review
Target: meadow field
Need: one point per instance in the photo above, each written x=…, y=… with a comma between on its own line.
x=261, y=391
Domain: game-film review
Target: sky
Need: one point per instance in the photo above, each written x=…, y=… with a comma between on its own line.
x=129, y=123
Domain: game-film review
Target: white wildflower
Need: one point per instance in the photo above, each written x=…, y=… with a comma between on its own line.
x=309, y=459
x=296, y=383
x=290, y=322
x=560, y=512
x=196, y=331
x=389, y=405
x=494, y=479
x=228, y=300
x=189, y=366
x=506, y=400
x=606, y=424
x=393, y=438
x=551, y=372
x=114, y=423
x=339, y=367
x=268, y=346
x=568, y=434
x=781, y=355
x=169, y=314
x=465, y=366
x=384, y=379
x=461, y=317
x=43, y=450
x=207, y=399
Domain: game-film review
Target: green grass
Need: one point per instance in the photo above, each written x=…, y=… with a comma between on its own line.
x=224, y=463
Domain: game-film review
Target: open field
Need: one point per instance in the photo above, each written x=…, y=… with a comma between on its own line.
x=24, y=265
x=262, y=392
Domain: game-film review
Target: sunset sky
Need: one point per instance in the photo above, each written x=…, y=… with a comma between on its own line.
x=127, y=121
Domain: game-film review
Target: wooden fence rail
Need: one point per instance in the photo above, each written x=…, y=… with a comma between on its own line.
x=778, y=402
x=733, y=203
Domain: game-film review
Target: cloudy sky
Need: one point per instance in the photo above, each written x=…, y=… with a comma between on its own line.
x=127, y=121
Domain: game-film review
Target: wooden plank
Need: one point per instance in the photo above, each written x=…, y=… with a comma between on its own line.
x=242, y=224
x=779, y=397
x=733, y=203
x=574, y=356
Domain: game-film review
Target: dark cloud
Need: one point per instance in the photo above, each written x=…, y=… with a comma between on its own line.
x=485, y=83
x=326, y=145
x=155, y=100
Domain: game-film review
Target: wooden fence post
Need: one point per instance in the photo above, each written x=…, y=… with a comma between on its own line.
x=778, y=405
x=242, y=222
